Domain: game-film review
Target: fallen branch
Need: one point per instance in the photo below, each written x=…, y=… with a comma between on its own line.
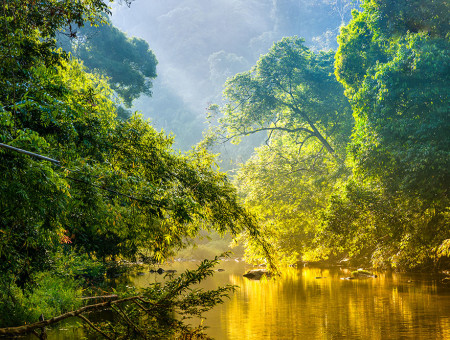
x=31, y=328
x=82, y=317
x=125, y=317
x=113, y=296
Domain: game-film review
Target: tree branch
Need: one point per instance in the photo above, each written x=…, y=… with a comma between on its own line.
x=125, y=317
x=276, y=128
x=25, y=329
x=82, y=317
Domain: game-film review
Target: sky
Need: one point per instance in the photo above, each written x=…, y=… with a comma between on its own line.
x=201, y=43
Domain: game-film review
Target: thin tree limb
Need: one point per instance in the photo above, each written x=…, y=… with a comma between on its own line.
x=28, y=153
x=125, y=317
x=113, y=296
x=82, y=317
x=25, y=329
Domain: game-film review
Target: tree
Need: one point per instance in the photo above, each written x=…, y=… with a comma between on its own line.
x=288, y=191
x=154, y=312
x=116, y=187
x=35, y=108
x=394, y=18
x=395, y=71
x=291, y=89
x=128, y=62
x=293, y=96
x=401, y=123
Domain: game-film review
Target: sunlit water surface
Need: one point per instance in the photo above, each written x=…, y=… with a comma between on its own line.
x=313, y=303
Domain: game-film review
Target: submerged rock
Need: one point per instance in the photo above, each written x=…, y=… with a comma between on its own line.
x=362, y=274
x=256, y=274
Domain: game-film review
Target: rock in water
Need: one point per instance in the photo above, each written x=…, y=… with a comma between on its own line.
x=362, y=274
x=256, y=274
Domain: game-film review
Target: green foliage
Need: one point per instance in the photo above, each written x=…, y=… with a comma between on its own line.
x=167, y=197
x=128, y=62
x=46, y=294
x=291, y=89
x=444, y=249
x=368, y=224
x=408, y=122
x=393, y=61
x=372, y=36
x=352, y=223
x=287, y=189
x=292, y=95
x=52, y=296
x=164, y=307
x=385, y=201
x=395, y=18
x=358, y=50
x=68, y=263
x=119, y=190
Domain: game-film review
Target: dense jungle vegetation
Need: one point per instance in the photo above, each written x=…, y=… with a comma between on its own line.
x=354, y=168
x=356, y=161
x=114, y=190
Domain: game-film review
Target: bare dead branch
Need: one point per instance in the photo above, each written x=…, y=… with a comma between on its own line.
x=82, y=317
x=25, y=329
x=113, y=296
x=148, y=311
x=125, y=317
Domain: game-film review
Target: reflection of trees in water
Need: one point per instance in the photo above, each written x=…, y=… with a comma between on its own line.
x=299, y=304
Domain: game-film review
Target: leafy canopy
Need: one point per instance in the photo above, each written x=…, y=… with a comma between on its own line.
x=292, y=95
x=393, y=60
x=119, y=190
x=128, y=62
x=291, y=89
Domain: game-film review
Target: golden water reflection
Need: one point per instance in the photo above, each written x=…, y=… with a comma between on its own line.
x=314, y=303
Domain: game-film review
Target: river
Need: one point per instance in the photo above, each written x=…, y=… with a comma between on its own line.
x=315, y=303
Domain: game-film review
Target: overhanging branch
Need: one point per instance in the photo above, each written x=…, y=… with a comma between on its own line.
x=275, y=128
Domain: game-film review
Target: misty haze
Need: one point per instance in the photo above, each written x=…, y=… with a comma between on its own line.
x=201, y=43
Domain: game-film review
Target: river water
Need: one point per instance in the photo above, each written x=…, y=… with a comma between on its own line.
x=315, y=303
